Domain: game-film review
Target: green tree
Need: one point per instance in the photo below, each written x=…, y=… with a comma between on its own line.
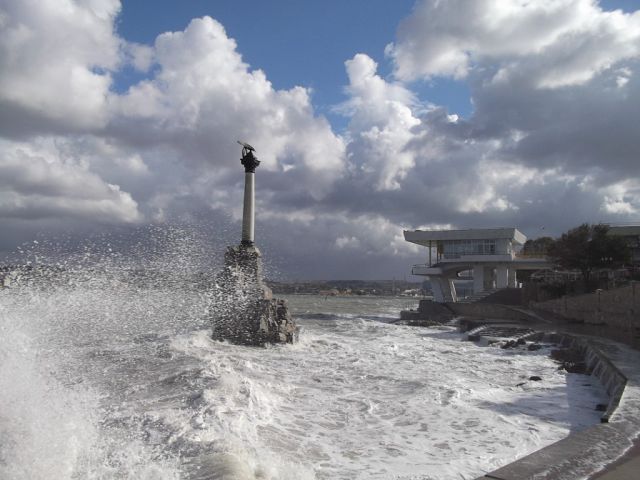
x=588, y=248
x=538, y=246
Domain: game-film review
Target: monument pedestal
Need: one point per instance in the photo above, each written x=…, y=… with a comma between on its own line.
x=244, y=310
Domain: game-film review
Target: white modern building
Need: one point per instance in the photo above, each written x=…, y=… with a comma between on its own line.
x=489, y=256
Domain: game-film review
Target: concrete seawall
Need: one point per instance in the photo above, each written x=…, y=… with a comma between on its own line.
x=619, y=308
x=583, y=454
x=597, y=363
x=489, y=310
x=613, y=380
x=597, y=326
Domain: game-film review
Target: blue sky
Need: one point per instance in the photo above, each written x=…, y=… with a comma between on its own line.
x=295, y=42
x=302, y=42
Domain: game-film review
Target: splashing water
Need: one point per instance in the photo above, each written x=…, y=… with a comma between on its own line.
x=108, y=371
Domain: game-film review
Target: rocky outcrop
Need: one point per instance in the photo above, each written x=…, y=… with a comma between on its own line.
x=428, y=313
x=244, y=310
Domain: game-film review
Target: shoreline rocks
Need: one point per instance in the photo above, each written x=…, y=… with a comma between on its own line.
x=244, y=311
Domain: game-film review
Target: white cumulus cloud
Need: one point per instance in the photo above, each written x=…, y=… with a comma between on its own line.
x=553, y=42
x=553, y=138
x=380, y=126
x=37, y=182
x=55, y=62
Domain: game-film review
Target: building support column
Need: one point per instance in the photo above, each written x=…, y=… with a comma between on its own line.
x=478, y=278
x=502, y=274
x=513, y=280
x=489, y=278
x=453, y=296
x=436, y=289
x=443, y=289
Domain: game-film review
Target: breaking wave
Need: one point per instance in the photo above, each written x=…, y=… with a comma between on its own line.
x=108, y=371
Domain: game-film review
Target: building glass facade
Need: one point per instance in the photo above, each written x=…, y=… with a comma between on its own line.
x=458, y=248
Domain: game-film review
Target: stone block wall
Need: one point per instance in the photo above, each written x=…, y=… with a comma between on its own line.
x=489, y=311
x=618, y=307
x=428, y=311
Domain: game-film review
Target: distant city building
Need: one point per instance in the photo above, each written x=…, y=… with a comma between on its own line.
x=487, y=256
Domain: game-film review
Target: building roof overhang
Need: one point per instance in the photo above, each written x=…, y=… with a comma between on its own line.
x=423, y=237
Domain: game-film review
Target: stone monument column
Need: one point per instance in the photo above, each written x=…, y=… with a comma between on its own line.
x=250, y=162
x=248, y=212
x=244, y=310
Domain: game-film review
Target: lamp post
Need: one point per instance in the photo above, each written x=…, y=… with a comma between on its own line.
x=249, y=161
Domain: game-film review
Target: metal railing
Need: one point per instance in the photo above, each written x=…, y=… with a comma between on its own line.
x=531, y=255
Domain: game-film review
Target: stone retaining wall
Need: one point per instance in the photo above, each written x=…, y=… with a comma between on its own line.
x=428, y=311
x=488, y=310
x=619, y=307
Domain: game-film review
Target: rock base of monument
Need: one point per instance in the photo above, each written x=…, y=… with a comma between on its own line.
x=244, y=311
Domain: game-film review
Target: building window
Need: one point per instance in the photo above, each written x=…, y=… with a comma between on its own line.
x=458, y=248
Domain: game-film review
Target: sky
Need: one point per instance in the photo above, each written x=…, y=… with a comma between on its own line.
x=369, y=117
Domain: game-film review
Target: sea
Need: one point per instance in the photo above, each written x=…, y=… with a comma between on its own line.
x=106, y=373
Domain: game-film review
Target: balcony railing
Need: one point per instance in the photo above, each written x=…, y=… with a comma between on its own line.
x=531, y=255
x=469, y=254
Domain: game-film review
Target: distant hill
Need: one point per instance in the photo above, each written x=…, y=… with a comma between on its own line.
x=348, y=287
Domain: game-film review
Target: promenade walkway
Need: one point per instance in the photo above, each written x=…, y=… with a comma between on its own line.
x=627, y=468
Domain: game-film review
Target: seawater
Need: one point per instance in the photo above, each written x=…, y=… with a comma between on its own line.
x=102, y=377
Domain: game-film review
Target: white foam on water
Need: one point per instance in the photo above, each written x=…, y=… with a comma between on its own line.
x=49, y=428
x=361, y=399
x=102, y=377
x=43, y=425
